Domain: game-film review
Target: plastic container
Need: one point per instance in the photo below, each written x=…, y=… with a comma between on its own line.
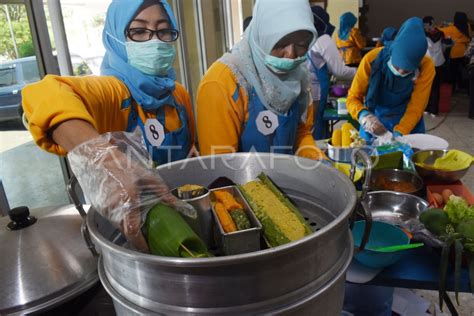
x=341, y=106
x=458, y=189
x=241, y=241
x=381, y=235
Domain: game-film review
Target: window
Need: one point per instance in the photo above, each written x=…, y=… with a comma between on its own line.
x=30, y=71
x=8, y=76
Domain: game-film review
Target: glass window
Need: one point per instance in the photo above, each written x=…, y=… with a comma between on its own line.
x=7, y=75
x=84, y=21
x=30, y=176
x=29, y=70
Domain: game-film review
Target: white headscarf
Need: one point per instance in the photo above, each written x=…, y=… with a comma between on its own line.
x=272, y=20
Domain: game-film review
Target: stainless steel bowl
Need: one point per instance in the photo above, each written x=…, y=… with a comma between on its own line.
x=344, y=154
x=428, y=157
x=394, y=207
x=396, y=175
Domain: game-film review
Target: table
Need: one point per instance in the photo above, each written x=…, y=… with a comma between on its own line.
x=331, y=118
x=418, y=269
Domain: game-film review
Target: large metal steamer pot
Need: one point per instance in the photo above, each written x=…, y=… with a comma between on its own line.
x=303, y=276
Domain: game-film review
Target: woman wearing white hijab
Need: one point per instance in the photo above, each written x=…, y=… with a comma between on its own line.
x=257, y=97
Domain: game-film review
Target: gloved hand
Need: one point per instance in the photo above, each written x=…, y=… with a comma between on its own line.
x=371, y=123
x=115, y=175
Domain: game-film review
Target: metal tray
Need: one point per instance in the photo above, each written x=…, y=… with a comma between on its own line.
x=242, y=241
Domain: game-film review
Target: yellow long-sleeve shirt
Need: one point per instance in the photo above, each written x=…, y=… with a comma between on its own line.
x=95, y=99
x=419, y=97
x=460, y=41
x=350, y=48
x=221, y=120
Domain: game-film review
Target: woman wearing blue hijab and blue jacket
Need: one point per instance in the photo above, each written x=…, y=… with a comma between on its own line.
x=137, y=89
x=392, y=85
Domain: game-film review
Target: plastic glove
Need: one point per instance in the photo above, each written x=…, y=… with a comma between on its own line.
x=115, y=175
x=371, y=123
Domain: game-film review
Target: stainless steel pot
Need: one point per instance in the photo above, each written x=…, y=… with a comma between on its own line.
x=306, y=306
x=261, y=281
x=44, y=260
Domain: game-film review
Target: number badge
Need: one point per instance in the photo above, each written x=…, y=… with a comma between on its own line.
x=267, y=122
x=155, y=132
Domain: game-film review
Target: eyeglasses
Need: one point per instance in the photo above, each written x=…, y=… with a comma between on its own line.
x=143, y=34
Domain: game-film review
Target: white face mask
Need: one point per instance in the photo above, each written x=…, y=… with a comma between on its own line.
x=152, y=57
x=395, y=71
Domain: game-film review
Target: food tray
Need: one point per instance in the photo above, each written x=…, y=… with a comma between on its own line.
x=458, y=189
x=242, y=241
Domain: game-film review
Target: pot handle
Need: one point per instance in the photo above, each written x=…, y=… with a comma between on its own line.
x=360, y=154
x=72, y=185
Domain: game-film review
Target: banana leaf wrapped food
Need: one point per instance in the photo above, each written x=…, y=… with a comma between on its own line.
x=169, y=235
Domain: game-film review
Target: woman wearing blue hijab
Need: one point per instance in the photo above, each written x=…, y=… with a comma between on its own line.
x=392, y=85
x=388, y=35
x=349, y=41
x=137, y=89
x=257, y=97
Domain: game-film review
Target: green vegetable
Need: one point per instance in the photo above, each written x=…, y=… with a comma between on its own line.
x=169, y=234
x=240, y=219
x=436, y=221
x=466, y=229
x=458, y=210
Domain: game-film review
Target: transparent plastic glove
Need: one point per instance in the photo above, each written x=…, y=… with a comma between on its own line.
x=384, y=139
x=371, y=123
x=116, y=175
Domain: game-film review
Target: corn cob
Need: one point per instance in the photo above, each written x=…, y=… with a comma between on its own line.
x=280, y=219
x=336, y=139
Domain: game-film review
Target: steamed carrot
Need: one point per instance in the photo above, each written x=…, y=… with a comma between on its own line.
x=228, y=200
x=224, y=218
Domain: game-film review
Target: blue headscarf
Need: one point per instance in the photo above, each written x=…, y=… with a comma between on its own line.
x=150, y=92
x=388, y=35
x=410, y=45
x=346, y=23
x=406, y=52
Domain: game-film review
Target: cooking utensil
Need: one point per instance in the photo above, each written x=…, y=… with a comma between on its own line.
x=243, y=241
x=344, y=154
x=250, y=283
x=394, y=207
x=345, y=168
x=397, y=247
x=201, y=202
x=382, y=178
x=381, y=235
x=44, y=261
x=423, y=161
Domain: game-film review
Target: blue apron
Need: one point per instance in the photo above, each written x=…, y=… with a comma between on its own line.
x=388, y=95
x=320, y=131
x=282, y=140
x=176, y=144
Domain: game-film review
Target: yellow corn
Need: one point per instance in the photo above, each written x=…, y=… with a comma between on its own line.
x=336, y=139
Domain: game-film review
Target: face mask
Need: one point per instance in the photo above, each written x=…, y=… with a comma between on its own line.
x=283, y=65
x=395, y=71
x=153, y=57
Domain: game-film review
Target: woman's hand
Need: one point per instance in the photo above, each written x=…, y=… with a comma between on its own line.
x=371, y=124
